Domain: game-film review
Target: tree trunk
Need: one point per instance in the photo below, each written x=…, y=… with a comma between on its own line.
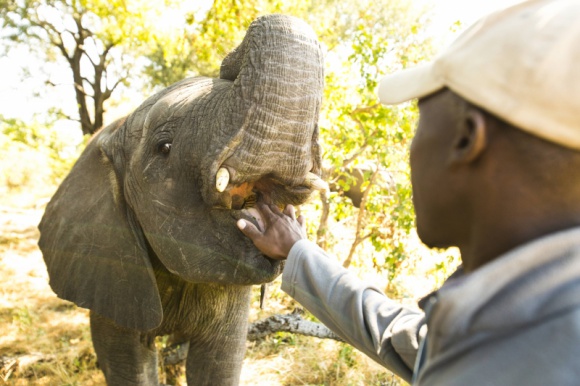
x=85, y=119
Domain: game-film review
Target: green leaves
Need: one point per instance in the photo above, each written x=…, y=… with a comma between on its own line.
x=359, y=133
x=42, y=147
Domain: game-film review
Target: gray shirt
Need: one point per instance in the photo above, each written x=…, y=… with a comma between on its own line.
x=514, y=321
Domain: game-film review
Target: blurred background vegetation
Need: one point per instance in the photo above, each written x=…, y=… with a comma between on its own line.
x=113, y=54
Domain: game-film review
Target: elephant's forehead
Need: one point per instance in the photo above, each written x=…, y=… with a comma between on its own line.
x=181, y=100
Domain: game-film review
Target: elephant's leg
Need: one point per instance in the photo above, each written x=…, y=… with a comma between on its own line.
x=127, y=357
x=218, y=363
x=216, y=351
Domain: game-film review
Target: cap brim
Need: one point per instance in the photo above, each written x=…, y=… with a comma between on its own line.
x=409, y=84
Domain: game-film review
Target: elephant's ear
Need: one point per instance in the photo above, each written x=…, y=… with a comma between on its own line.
x=95, y=255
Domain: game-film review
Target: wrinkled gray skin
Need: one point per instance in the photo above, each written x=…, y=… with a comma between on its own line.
x=140, y=235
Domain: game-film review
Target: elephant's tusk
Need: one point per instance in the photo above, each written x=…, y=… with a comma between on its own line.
x=222, y=179
x=316, y=182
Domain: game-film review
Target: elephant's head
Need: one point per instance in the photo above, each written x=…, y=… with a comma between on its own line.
x=170, y=181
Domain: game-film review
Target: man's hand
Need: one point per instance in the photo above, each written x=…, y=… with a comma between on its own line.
x=281, y=230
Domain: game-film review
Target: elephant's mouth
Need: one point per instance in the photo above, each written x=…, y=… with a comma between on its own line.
x=248, y=208
x=245, y=197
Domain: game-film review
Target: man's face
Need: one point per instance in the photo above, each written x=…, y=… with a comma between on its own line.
x=436, y=193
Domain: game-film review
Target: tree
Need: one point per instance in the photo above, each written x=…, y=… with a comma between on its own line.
x=359, y=134
x=98, y=40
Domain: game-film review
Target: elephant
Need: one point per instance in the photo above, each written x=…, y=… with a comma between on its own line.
x=142, y=230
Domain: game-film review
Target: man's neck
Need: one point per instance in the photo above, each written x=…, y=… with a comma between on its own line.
x=488, y=243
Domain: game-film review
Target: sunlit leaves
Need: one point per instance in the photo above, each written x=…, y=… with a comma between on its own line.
x=359, y=132
x=198, y=47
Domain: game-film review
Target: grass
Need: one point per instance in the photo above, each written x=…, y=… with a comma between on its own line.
x=44, y=340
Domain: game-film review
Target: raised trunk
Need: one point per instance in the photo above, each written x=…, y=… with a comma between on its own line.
x=276, y=95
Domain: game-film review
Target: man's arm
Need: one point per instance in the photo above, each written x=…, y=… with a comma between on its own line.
x=361, y=314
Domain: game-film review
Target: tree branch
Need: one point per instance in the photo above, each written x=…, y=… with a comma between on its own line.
x=356, y=154
x=289, y=323
x=81, y=88
x=108, y=91
x=359, y=222
x=321, y=233
x=54, y=35
x=88, y=56
x=108, y=48
x=292, y=322
x=366, y=136
x=10, y=364
x=364, y=109
x=83, y=33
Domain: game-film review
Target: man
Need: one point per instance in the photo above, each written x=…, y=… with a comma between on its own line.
x=496, y=172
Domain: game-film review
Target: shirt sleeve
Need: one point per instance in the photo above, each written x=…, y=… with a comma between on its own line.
x=356, y=311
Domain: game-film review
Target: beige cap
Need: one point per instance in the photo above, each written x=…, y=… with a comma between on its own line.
x=521, y=64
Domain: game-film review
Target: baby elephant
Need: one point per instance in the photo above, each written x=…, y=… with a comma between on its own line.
x=142, y=231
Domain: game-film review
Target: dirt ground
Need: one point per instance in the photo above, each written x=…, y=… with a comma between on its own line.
x=46, y=341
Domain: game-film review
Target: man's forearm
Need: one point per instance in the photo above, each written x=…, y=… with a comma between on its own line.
x=360, y=313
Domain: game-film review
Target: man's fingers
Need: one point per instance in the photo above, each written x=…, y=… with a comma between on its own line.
x=301, y=221
x=266, y=212
x=276, y=210
x=248, y=229
x=290, y=212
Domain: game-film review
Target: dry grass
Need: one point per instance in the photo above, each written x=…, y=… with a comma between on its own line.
x=44, y=340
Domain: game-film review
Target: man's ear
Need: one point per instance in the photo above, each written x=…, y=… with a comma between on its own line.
x=471, y=140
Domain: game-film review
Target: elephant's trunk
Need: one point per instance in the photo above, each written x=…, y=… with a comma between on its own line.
x=274, y=105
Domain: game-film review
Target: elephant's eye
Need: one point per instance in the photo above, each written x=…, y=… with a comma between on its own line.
x=164, y=148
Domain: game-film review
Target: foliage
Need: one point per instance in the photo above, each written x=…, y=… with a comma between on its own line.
x=99, y=41
x=35, y=155
x=199, y=45
x=360, y=133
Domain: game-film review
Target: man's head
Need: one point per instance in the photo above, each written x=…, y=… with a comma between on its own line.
x=475, y=174
x=496, y=158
